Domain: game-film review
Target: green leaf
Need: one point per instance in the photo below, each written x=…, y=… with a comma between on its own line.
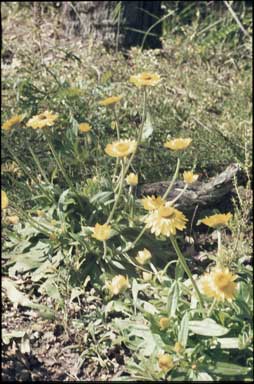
x=13, y=294
x=207, y=327
x=184, y=329
x=7, y=336
x=228, y=342
x=228, y=369
x=148, y=128
x=173, y=299
x=203, y=376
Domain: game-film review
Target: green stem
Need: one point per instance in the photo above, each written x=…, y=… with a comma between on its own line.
x=219, y=241
x=186, y=269
x=26, y=172
x=180, y=194
x=118, y=195
x=212, y=307
x=173, y=180
x=117, y=123
x=60, y=166
x=37, y=162
x=140, y=132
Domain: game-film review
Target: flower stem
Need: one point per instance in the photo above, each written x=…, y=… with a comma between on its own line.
x=219, y=241
x=186, y=269
x=173, y=180
x=60, y=166
x=140, y=132
x=118, y=195
x=26, y=172
x=37, y=162
x=212, y=307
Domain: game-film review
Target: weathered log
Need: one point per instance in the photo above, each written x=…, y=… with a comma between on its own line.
x=199, y=194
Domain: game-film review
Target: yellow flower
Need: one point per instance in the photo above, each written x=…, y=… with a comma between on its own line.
x=84, y=127
x=164, y=323
x=152, y=203
x=177, y=144
x=219, y=284
x=4, y=200
x=145, y=79
x=189, y=177
x=147, y=276
x=118, y=284
x=132, y=179
x=216, y=220
x=101, y=232
x=121, y=148
x=12, y=122
x=165, y=220
x=113, y=124
x=110, y=100
x=143, y=256
x=178, y=347
x=165, y=362
x=12, y=220
x=45, y=119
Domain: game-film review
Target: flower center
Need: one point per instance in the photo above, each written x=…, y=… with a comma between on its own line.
x=166, y=212
x=122, y=147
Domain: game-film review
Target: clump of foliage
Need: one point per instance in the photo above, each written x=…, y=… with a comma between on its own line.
x=74, y=151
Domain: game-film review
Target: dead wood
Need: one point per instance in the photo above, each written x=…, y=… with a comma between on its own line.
x=199, y=194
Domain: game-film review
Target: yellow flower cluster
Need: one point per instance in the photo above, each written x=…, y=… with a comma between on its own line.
x=143, y=256
x=165, y=362
x=219, y=284
x=177, y=144
x=110, y=100
x=189, y=177
x=85, y=127
x=165, y=220
x=132, y=179
x=152, y=203
x=121, y=148
x=4, y=200
x=9, y=124
x=145, y=79
x=118, y=285
x=45, y=119
x=217, y=220
x=101, y=232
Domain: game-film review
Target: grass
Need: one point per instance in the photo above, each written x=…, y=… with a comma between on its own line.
x=60, y=185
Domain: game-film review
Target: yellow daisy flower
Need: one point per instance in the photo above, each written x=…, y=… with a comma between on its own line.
x=121, y=148
x=45, y=119
x=110, y=100
x=118, y=285
x=164, y=323
x=152, y=203
x=145, y=79
x=217, y=220
x=101, y=232
x=189, y=177
x=165, y=362
x=177, y=144
x=85, y=127
x=9, y=124
x=165, y=220
x=143, y=256
x=4, y=200
x=219, y=284
x=132, y=179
